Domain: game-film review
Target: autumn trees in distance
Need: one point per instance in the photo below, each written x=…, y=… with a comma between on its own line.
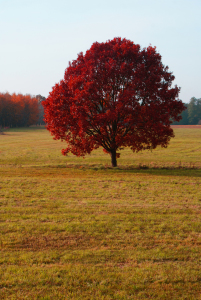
x=116, y=95
x=19, y=110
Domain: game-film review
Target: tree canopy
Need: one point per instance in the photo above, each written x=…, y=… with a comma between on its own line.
x=116, y=95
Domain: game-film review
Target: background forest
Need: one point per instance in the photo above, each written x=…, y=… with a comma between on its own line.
x=192, y=114
x=19, y=110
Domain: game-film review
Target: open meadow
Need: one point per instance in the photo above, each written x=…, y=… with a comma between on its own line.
x=74, y=228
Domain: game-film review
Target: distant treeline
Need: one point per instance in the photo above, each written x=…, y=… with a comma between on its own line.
x=19, y=110
x=192, y=115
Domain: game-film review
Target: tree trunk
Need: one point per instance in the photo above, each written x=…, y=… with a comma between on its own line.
x=113, y=158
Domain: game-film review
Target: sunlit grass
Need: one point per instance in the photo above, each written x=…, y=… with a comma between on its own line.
x=78, y=229
x=36, y=147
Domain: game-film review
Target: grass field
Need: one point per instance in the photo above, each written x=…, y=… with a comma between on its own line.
x=74, y=228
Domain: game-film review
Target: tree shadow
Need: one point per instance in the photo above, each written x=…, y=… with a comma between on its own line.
x=188, y=171
x=163, y=171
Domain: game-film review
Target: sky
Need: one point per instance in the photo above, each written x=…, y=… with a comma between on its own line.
x=38, y=38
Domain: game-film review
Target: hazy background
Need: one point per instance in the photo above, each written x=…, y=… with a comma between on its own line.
x=39, y=37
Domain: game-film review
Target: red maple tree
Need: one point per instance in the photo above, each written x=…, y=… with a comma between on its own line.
x=116, y=95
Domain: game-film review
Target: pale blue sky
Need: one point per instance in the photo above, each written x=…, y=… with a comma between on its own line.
x=39, y=37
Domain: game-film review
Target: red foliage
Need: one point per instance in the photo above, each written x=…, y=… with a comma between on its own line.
x=18, y=110
x=116, y=95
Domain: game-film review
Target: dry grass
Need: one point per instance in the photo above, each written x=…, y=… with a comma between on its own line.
x=77, y=229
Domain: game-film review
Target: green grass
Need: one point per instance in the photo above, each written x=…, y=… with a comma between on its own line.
x=78, y=229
